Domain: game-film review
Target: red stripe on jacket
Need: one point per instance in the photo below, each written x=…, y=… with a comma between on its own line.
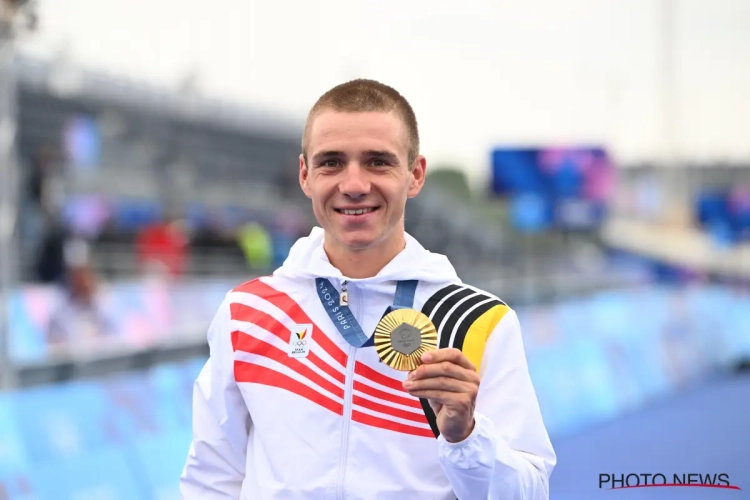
x=248, y=343
x=242, y=312
x=364, y=418
x=292, y=309
x=256, y=374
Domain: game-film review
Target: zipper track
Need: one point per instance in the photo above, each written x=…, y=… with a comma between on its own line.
x=351, y=360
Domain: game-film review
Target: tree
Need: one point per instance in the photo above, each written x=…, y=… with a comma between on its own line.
x=450, y=179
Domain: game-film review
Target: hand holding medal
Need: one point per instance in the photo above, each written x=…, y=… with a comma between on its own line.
x=449, y=382
x=406, y=340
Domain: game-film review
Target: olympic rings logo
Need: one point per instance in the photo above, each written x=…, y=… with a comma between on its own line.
x=299, y=343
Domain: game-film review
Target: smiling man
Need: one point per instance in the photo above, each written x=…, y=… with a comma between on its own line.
x=363, y=368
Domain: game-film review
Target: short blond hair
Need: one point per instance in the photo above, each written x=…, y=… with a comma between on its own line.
x=361, y=96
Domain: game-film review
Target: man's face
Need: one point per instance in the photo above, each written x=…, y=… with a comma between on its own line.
x=358, y=178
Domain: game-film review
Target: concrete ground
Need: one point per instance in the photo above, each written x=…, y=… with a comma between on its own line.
x=705, y=430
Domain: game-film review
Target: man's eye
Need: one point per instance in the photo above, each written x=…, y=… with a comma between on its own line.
x=329, y=163
x=379, y=163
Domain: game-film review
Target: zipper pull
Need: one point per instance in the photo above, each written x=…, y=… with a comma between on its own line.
x=344, y=298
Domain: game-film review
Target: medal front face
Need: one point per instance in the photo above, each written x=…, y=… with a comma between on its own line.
x=402, y=337
x=406, y=339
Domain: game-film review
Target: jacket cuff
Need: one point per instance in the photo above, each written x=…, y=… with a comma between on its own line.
x=477, y=450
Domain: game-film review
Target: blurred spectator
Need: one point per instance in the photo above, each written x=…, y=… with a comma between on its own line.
x=50, y=259
x=80, y=319
x=43, y=196
x=162, y=248
x=256, y=244
x=45, y=180
x=212, y=233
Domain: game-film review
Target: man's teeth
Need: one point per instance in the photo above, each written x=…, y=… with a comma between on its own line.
x=359, y=211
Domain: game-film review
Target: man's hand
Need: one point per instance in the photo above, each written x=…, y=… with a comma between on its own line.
x=449, y=381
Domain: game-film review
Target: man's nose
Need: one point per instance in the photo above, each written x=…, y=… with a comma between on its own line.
x=354, y=183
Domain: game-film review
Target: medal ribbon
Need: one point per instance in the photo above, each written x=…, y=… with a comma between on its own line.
x=342, y=316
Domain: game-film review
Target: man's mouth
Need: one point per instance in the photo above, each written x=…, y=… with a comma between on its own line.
x=356, y=211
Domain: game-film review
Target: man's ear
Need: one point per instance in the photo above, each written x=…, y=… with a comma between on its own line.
x=418, y=172
x=303, y=176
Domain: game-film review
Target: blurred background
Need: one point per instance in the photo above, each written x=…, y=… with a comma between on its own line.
x=589, y=163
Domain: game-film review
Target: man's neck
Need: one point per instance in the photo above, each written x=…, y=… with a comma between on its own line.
x=364, y=263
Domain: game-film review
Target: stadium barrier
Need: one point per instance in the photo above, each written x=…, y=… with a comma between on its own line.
x=123, y=437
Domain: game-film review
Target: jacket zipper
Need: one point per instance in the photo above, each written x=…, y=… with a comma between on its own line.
x=347, y=417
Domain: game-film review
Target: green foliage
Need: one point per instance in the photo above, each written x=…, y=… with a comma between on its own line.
x=451, y=180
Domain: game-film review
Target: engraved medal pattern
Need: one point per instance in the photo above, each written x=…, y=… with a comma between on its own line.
x=402, y=337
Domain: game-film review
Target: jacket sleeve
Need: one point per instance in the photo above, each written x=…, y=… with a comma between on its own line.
x=508, y=455
x=216, y=462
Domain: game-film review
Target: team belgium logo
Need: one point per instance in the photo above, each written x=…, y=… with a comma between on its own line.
x=299, y=341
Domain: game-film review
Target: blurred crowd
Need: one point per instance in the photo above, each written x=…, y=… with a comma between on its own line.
x=147, y=189
x=73, y=242
x=162, y=239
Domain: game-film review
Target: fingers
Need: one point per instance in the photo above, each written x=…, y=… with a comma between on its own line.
x=449, y=399
x=451, y=355
x=445, y=377
x=435, y=398
x=444, y=369
x=442, y=384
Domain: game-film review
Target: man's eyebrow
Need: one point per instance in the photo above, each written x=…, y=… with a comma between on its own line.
x=318, y=157
x=382, y=154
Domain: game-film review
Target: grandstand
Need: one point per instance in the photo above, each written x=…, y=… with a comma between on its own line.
x=134, y=152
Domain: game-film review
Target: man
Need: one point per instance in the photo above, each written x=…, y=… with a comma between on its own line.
x=295, y=403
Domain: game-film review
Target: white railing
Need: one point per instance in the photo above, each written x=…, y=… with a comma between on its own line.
x=680, y=246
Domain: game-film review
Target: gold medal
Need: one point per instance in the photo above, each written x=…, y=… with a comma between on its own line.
x=402, y=337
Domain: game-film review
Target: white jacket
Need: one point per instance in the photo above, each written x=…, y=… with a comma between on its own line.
x=336, y=423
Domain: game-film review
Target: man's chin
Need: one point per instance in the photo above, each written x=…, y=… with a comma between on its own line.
x=357, y=242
